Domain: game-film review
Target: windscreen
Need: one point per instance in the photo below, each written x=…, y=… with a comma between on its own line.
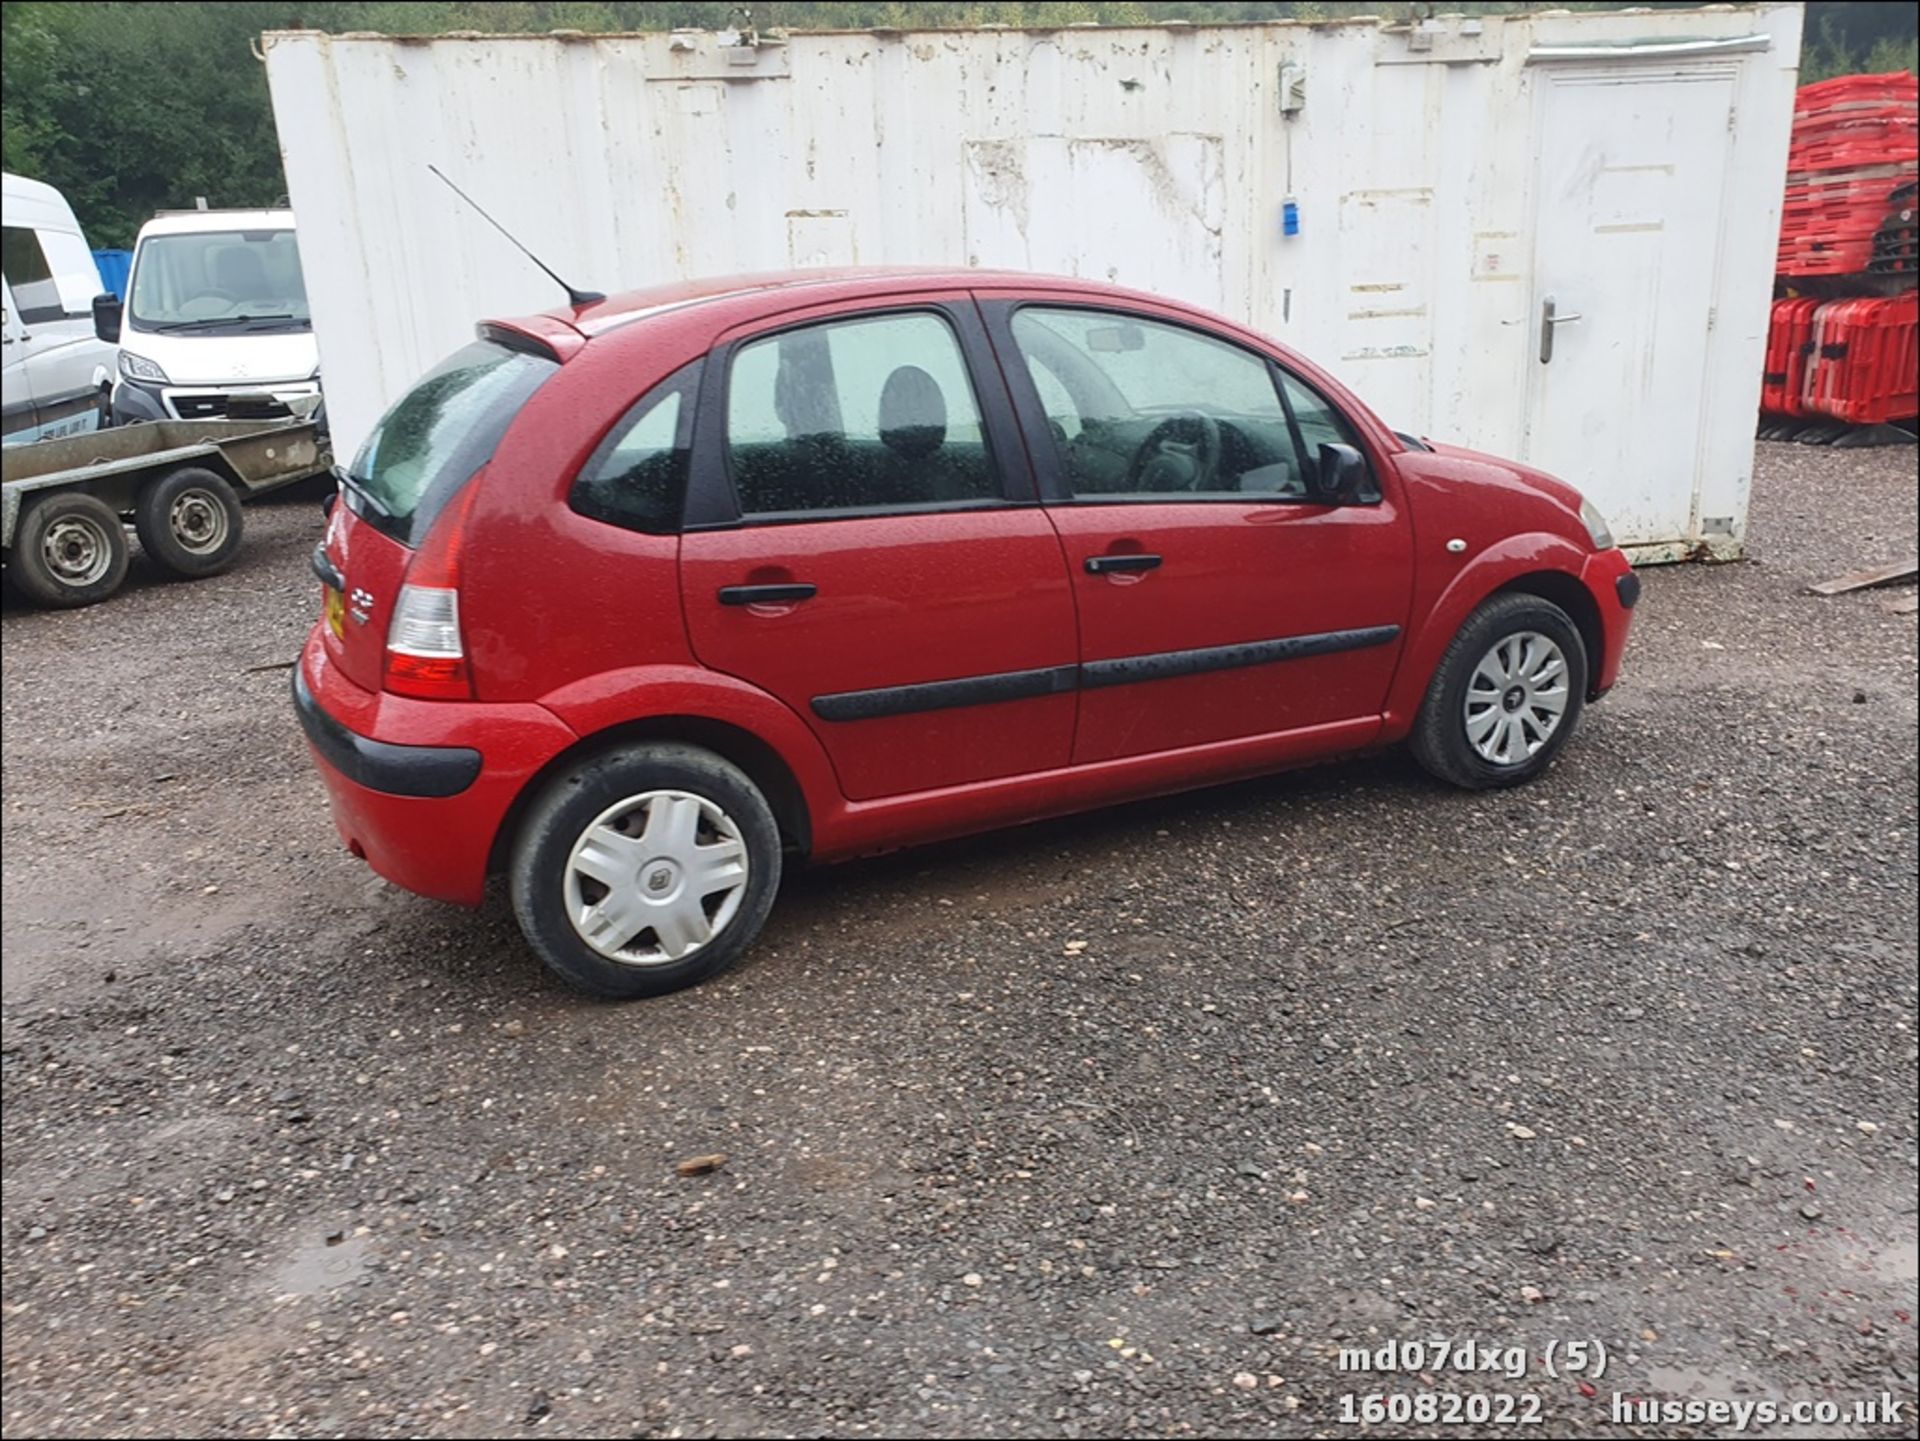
x=439, y=433
x=231, y=281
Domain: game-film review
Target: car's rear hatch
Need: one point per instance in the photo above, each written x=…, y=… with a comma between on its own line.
x=403, y=493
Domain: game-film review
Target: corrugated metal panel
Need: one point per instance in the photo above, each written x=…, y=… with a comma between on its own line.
x=1445, y=176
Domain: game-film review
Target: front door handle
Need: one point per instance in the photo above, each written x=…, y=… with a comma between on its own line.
x=766, y=594
x=1549, y=317
x=1106, y=564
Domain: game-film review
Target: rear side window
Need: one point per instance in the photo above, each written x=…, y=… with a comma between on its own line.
x=439, y=433
x=637, y=477
x=870, y=414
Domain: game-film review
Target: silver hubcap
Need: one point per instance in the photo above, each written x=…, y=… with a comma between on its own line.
x=1516, y=698
x=77, y=550
x=198, y=521
x=655, y=877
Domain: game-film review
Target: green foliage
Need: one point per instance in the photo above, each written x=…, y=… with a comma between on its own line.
x=135, y=107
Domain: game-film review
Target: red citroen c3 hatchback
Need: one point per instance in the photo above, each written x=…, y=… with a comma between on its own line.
x=633, y=600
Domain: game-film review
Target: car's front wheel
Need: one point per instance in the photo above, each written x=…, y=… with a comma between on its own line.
x=645, y=869
x=1506, y=696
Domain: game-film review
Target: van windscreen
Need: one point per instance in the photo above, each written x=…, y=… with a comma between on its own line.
x=225, y=281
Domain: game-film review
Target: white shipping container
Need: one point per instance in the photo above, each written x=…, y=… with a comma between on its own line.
x=1547, y=236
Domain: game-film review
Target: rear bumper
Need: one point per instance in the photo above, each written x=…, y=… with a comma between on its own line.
x=1609, y=576
x=419, y=788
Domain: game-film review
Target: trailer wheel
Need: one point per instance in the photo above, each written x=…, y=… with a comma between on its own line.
x=189, y=522
x=69, y=551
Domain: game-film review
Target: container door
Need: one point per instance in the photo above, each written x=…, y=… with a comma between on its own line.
x=1627, y=236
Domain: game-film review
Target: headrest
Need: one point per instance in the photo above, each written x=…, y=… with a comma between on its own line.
x=913, y=413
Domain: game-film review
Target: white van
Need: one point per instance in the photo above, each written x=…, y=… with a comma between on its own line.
x=215, y=306
x=57, y=373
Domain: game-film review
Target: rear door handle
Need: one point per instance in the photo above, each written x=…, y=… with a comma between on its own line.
x=1103, y=564
x=766, y=594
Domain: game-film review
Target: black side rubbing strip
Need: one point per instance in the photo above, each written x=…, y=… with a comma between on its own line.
x=1054, y=680
x=943, y=694
x=1170, y=663
x=1628, y=589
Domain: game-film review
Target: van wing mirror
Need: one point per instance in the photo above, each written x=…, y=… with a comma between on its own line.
x=1344, y=478
x=106, y=317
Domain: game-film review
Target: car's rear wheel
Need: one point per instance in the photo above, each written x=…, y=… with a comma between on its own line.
x=69, y=551
x=189, y=522
x=645, y=869
x=1506, y=696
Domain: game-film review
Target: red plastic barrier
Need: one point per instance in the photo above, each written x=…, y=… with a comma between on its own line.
x=1856, y=141
x=1864, y=366
x=1789, y=338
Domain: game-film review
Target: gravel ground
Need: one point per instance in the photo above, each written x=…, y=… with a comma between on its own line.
x=1107, y=1127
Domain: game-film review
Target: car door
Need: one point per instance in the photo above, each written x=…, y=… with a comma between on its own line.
x=862, y=541
x=1219, y=595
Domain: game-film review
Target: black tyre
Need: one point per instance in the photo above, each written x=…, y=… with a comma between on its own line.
x=68, y=551
x=645, y=869
x=189, y=522
x=1505, y=697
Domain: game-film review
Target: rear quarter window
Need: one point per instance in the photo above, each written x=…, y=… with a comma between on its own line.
x=637, y=477
x=439, y=433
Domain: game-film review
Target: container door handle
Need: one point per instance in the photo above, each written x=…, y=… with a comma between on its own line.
x=1549, y=319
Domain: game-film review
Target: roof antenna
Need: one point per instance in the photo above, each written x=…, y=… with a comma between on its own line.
x=574, y=297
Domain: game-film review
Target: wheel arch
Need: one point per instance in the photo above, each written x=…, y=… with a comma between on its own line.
x=1567, y=592
x=763, y=765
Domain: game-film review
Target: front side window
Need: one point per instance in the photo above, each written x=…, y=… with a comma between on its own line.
x=867, y=414
x=224, y=280
x=1317, y=423
x=1143, y=410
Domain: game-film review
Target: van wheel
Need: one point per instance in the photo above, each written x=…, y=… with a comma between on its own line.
x=189, y=522
x=69, y=551
x=645, y=870
x=1505, y=697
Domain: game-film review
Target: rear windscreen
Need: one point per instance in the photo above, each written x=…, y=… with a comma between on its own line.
x=439, y=433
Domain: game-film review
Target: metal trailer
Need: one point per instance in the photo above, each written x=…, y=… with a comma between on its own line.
x=64, y=504
x=1550, y=236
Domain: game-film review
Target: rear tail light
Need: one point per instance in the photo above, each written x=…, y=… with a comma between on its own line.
x=425, y=654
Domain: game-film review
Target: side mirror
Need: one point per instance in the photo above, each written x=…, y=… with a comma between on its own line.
x=1344, y=478
x=327, y=503
x=106, y=317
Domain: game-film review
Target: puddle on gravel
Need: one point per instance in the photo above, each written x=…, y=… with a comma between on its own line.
x=321, y=1266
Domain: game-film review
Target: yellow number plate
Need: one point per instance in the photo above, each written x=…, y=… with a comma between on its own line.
x=336, y=609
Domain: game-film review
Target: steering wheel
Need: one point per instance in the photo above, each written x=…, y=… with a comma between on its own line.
x=219, y=296
x=1182, y=452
